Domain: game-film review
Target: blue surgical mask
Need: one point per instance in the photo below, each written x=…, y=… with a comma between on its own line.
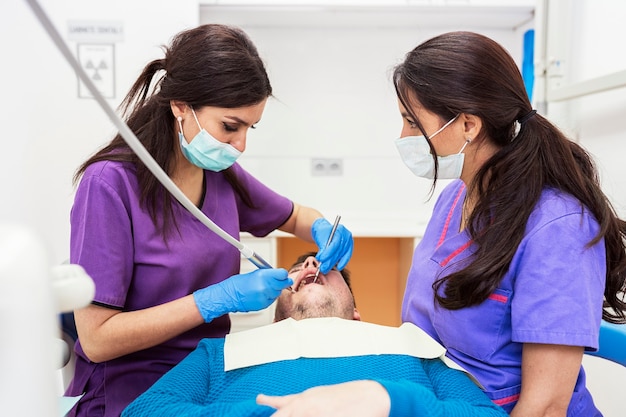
x=205, y=151
x=415, y=153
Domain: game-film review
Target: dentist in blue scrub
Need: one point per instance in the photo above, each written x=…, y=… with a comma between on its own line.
x=523, y=255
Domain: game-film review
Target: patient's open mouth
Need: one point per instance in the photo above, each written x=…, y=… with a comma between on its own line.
x=308, y=280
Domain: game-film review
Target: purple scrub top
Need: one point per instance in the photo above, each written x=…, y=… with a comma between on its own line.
x=551, y=294
x=134, y=268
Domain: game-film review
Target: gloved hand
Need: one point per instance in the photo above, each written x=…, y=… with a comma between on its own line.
x=241, y=293
x=338, y=252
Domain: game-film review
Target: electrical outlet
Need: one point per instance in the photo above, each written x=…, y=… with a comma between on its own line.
x=326, y=167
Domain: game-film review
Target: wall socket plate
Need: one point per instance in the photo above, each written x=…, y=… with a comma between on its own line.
x=326, y=167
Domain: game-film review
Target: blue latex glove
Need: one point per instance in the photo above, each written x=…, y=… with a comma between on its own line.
x=338, y=252
x=241, y=293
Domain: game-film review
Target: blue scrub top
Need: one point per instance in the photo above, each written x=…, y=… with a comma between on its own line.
x=552, y=293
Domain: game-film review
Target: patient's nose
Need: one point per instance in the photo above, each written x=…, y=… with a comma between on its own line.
x=311, y=262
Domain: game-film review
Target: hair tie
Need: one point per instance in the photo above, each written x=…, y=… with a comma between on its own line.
x=524, y=119
x=517, y=124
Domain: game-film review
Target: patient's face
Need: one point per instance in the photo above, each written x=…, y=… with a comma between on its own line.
x=329, y=296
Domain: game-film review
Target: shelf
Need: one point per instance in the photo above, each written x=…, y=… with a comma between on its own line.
x=587, y=87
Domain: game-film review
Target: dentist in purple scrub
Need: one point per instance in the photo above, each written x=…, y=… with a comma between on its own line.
x=164, y=281
x=523, y=255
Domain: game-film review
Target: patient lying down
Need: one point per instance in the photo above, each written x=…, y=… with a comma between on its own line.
x=316, y=342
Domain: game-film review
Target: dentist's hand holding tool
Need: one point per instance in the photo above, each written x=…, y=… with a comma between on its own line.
x=338, y=250
x=253, y=291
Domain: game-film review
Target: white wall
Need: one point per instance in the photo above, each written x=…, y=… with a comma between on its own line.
x=334, y=99
x=49, y=131
x=331, y=73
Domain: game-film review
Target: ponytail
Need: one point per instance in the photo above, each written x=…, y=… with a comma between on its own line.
x=138, y=93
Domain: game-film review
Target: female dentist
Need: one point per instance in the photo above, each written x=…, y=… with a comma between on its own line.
x=163, y=279
x=523, y=255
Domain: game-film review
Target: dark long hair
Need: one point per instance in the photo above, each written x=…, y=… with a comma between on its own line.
x=463, y=72
x=211, y=65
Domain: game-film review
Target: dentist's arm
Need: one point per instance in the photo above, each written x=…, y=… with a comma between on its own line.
x=549, y=374
x=107, y=334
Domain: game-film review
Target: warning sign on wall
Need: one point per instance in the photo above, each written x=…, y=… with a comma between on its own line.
x=98, y=61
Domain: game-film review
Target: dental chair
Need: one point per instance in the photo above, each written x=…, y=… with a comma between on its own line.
x=31, y=298
x=606, y=369
x=612, y=343
x=72, y=288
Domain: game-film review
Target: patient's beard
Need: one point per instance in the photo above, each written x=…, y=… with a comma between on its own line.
x=327, y=306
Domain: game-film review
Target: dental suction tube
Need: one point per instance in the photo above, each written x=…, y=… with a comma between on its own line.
x=132, y=141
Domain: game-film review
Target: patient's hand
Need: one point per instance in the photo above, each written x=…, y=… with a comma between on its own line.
x=357, y=398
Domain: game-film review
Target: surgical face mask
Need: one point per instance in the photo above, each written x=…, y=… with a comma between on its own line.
x=205, y=151
x=415, y=153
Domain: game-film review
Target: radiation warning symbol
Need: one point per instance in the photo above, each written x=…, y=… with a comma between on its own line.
x=98, y=61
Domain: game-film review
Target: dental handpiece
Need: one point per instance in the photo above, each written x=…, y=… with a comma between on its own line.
x=330, y=238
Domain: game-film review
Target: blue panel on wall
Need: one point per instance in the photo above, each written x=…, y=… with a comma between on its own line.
x=528, y=64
